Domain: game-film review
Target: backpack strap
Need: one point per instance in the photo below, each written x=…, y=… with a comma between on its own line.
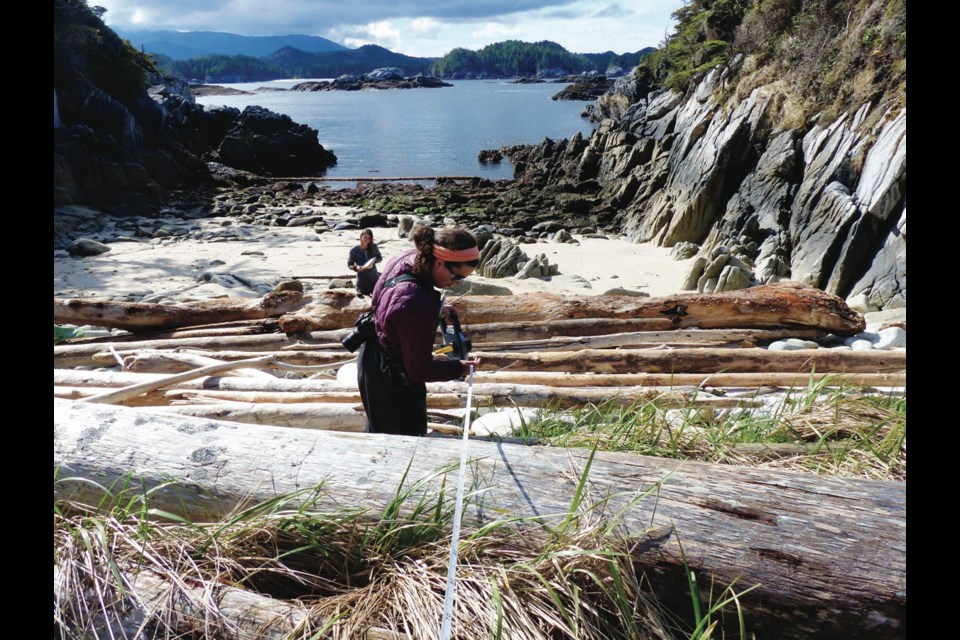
x=403, y=277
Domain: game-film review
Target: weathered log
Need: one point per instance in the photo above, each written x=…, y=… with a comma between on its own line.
x=538, y=329
x=440, y=395
x=695, y=361
x=91, y=353
x=777, y=306
x=81, y=354
x=148, y=399
x=829, y=555
x=263, y=326
x=671, y=380
x=343, y=395
x=184, y=608
x=704, y=360
x=139, y=316
x=679, y=337
x=153, y=361
x=79, y=378
x=152, y=385
x=334, y=416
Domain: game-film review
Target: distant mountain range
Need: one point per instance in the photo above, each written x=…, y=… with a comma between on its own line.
x=182, y=45
x=217, y=57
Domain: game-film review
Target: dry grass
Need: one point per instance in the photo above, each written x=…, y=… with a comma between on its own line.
x=272, y=572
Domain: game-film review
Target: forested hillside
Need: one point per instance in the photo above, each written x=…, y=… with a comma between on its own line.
x=523, y=59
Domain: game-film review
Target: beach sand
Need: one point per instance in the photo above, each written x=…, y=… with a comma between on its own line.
x=208, y=267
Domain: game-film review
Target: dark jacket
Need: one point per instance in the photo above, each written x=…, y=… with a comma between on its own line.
x=407, y=317
x=367, y=278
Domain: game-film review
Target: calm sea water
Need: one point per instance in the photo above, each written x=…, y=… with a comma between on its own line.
x=421, y=132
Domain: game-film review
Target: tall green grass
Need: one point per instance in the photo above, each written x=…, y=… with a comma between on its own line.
x=831, y=430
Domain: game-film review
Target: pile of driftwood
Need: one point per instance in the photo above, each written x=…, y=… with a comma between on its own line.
x=829, y=555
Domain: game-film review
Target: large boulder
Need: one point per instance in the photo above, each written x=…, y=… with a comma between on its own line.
x=270, y=143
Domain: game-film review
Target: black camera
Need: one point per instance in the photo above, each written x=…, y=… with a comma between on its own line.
x=365, y=330
x=454, y=337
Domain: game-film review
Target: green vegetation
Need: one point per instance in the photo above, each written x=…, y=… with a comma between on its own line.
x=513, y=58
x=293, y=63
x=834, y=54
x=821, y=429
x=85, y=50
x=224, y=69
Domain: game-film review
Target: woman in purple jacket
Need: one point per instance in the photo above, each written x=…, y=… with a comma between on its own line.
x=392, y=370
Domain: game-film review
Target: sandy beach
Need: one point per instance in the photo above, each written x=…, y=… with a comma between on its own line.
x=219, y=259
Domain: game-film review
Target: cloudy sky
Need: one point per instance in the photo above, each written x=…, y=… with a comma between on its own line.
x=414, y=27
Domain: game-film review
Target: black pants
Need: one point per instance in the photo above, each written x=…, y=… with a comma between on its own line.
x=399, y=410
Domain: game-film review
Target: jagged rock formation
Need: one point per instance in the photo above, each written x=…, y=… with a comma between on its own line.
x=125, y=135
x=823, y=203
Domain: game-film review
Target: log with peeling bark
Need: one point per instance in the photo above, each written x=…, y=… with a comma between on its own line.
x=91, y=353
x=81, y=353
x=439, y=395
x=777, y=306
x=705, y=360
x=783, y=305
x=696, y=361
x=81, y=378
x=238, y=328
x=828, y=555
x=141, y=316
x=675, y=338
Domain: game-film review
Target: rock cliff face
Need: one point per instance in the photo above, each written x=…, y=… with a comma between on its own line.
x=822, y=203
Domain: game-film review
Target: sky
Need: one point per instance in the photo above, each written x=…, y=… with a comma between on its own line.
x=423, y=28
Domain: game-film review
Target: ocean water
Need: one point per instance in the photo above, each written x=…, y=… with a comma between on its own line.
x=421, y=132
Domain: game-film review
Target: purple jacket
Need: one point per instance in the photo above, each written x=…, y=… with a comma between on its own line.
x=407, y=317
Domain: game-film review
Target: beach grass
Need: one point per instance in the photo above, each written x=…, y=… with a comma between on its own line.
x=821, y=428
x=350, y=574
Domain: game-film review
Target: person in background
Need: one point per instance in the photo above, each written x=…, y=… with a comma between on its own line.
x=359, y=261
x=392, y=369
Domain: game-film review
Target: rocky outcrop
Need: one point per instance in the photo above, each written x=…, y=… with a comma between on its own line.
x=379, y=79
x=270, y=143
x=584, y=89
x=823, y=203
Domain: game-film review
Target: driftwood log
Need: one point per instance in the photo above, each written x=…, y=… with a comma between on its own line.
x=829, y=555
x=696, y=360
x=82, y=378
x=778, y=306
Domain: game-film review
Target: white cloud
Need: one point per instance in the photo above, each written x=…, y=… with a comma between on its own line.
x=426, y=27
x=415, y=27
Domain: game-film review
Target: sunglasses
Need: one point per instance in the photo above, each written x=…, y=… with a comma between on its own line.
x=455, y=276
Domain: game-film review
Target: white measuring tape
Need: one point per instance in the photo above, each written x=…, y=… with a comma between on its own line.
x=458, y=512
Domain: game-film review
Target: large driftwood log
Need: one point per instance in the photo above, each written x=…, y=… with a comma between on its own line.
x=92, y=353
x=81, y=378
x=705, y=360
x=778, y=306
x=140, y=316
x=829, y=555
x=81, y=354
